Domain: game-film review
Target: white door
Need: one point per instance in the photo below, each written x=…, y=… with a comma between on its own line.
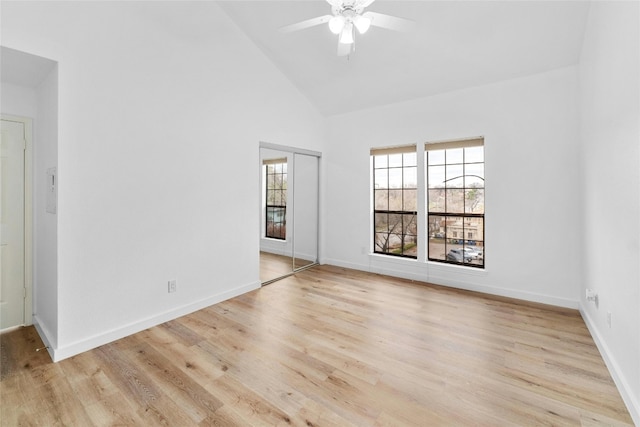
x=12, y=228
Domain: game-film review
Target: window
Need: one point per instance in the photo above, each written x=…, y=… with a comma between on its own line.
x=395, y=195
x=276, y=198
x=455, y=201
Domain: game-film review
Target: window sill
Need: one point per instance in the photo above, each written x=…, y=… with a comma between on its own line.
x=436, y=267
x=430, y=267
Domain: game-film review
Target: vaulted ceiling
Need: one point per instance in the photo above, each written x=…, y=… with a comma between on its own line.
x=454, y=45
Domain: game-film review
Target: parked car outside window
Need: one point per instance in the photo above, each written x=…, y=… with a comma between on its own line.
x=458, y=255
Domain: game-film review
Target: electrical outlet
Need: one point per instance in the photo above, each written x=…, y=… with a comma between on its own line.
x=172, y=286
x=609, y=318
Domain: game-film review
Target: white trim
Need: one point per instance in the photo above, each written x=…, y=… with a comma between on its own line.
x=425, y=272
x=28, y=214
x=632, y=401
x=61, y=353
x=45, y=335
x=10, y=329
x=290, y=149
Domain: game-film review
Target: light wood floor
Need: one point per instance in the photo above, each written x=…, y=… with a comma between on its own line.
x=327, y=347
x=273, y=266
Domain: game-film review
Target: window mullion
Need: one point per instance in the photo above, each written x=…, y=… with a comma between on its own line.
x=423, y=238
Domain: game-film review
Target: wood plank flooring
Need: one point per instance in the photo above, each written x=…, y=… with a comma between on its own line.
x=327, y=347
x=273, y=266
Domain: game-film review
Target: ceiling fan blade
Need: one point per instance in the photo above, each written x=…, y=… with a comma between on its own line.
x=390, y=22
x=365, y=3
x=306, y=24
x=345, y=49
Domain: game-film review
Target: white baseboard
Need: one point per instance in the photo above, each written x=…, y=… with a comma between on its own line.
x=11, y=328
x=632, y=401
x=45, y=335
x=66, y=351
x=437, y=276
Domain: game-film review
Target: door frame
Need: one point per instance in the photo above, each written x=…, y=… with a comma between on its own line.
x=28, y=215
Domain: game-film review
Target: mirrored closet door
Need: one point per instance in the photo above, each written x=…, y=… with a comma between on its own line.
x=289, y=187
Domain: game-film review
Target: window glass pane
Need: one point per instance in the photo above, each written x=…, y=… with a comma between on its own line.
x=436, y=200
x=454, y=229
x=270, y=169
x=437, y=241
x=455, y=176
x=410, y=200
x=474, y=175
x=276, y=223
x=380, y=179
x=410, y=227
x=395, y=160
x=455, y=201
x=401, y=238
x=474, y=201
x=382, y=222
x=270, y=182
x=395, y=178
x=476, y=252
x=394, y=244
x=410, y=159
x=395, y=223
x=284, y=168
x=436, y=176
x=474, y=155
x=455, y=155
x=381, y=242
x=474, y=248
x=381, y=200
x=436, y=226
x=395, y=200
x=474, y=227
x=380, y=161
x=410, y=177
x=436, y=157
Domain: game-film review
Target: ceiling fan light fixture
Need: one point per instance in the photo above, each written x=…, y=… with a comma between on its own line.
x=346, y=36
x=362, y=23
x=336, y=24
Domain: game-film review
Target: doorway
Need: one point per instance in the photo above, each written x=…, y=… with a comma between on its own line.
x=15, y=219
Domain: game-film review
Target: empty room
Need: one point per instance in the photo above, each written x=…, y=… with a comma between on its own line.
x=320, y=213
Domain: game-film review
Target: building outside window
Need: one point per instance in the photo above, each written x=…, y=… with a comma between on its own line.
x=276, y=198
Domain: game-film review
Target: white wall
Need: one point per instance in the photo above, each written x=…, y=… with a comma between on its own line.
x=530, y=127
x=610, y=137
x=18, y=100
x=161, y=109
x=45, y=292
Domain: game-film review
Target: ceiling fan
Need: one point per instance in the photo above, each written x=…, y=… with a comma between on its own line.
x=347, y=17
